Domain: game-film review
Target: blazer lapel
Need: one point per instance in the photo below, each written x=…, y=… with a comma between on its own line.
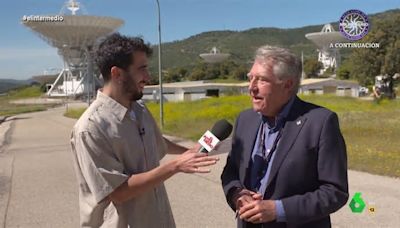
x=251, y=130
x=291, y=129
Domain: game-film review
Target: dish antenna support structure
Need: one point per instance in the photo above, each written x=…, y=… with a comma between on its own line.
x=329, y=57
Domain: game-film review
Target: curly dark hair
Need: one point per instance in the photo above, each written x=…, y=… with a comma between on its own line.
x=117, y=50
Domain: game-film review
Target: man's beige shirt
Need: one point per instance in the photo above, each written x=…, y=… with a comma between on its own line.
x=110, y=143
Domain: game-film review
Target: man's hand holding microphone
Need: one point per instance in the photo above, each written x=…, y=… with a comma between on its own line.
x=197, y=157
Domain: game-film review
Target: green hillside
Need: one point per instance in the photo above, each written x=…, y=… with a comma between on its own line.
x=242, y=44
x=8, y=84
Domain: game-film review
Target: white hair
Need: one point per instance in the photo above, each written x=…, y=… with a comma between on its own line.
x=285, y=64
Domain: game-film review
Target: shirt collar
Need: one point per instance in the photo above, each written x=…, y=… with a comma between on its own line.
x=280, y=118
x=113, y=106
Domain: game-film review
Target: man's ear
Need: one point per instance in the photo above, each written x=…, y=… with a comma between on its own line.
x=289, y=84
x=115, y=74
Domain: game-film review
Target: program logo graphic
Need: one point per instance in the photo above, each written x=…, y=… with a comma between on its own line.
x=357, y=204
x=354, y=24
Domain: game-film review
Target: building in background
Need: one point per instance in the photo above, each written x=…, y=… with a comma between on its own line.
x=195, y=90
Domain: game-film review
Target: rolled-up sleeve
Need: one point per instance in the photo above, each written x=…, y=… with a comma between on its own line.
x=101, y=169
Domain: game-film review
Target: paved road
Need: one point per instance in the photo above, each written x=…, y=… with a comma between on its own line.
x=38, y=187
x=42, y=188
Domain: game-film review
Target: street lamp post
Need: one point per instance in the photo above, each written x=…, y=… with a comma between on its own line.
x=160, y=67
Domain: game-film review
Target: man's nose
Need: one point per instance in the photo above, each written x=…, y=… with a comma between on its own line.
x=147, y=76
x=252, y=84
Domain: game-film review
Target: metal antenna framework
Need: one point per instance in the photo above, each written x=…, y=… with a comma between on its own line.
x=329, y=57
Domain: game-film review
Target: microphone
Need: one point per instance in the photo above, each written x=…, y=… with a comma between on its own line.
x=219, y=132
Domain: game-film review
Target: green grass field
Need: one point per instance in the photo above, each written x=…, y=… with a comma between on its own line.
x=74, y=112
x=371, y=130
x=7, y=108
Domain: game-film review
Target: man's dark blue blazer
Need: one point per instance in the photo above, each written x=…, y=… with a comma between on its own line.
x=308, y=173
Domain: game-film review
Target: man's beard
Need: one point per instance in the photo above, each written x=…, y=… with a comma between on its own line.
x=137, y=96
x=129, y=89
x=132, y=92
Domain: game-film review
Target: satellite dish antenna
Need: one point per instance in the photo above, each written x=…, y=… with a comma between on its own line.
x=74, y=37
x=73, y=6
x=329, y=57
x=215, y=56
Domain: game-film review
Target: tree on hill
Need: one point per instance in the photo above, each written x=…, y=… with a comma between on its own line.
x=328, y=72
x=198, y=72
x=227, y=69
x=312, y=67
x=176, y=74
x=343, y=72
x=240, y=73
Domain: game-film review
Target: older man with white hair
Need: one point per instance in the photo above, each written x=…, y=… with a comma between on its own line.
x=288, y=163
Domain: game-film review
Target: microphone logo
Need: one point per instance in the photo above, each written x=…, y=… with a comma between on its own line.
x=208, y=141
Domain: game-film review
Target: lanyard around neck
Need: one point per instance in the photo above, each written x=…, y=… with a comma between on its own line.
x=267, y=157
